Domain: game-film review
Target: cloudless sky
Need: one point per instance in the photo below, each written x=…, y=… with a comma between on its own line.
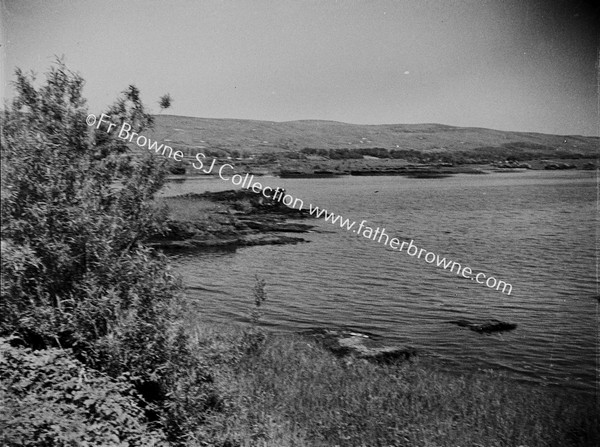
x=527, y=65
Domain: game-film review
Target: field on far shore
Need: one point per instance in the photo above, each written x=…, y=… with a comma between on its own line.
x=269, y=136
x=326, y=147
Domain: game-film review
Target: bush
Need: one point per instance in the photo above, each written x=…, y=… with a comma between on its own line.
x=51, y=399
x=75, y=273
x=63, y=211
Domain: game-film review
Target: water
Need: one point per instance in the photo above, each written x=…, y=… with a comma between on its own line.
x=534, y=230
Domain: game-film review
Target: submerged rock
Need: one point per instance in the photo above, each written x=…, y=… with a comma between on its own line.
x=485, y=326
x=365, y=346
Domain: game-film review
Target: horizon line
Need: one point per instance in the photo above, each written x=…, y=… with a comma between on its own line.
x=380, y=124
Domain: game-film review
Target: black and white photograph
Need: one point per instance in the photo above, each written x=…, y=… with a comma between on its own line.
x=300, y=223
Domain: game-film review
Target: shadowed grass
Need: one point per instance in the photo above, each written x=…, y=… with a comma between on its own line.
x=287, y=391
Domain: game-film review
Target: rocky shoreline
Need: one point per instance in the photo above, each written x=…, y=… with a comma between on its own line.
x=413, y=171
x=319, y=167
x=237, y=218
x=351, y=344
x=241, y=218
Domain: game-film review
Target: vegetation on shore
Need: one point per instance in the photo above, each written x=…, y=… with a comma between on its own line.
x=98, y=346
x=325, y=147
x=279, y=391
x=76, y=275
x=290, y=391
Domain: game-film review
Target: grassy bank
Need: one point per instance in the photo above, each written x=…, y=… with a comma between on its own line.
x=272, y=390
x=289, y=391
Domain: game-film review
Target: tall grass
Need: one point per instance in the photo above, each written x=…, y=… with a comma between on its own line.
x=291, y=392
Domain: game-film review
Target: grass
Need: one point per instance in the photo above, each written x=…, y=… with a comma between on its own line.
x=288, y=391
x=189, y=209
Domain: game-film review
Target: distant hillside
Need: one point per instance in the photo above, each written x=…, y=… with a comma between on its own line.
x=269, y=136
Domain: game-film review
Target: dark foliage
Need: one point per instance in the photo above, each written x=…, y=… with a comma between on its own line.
x=77, y=205
x=51, y=399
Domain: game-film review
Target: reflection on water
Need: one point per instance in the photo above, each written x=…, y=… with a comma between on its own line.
x=534, y=230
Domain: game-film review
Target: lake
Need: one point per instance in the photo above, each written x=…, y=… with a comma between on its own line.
x=535, y=230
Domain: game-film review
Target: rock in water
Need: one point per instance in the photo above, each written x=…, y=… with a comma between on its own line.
x=364, y=346
x=485, y=327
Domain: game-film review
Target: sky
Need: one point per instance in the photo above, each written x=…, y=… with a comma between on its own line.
x=521, y=65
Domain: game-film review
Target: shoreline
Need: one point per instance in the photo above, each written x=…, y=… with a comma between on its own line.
x=331, y=168
x=231, y=218
x=467, y=326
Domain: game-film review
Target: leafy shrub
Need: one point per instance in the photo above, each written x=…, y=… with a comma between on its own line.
x=165, y=102
x=51, y=399
x=254, y=338
x=75, y=272
x=62, y=208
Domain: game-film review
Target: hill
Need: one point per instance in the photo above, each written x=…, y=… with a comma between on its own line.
x=269, y=136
